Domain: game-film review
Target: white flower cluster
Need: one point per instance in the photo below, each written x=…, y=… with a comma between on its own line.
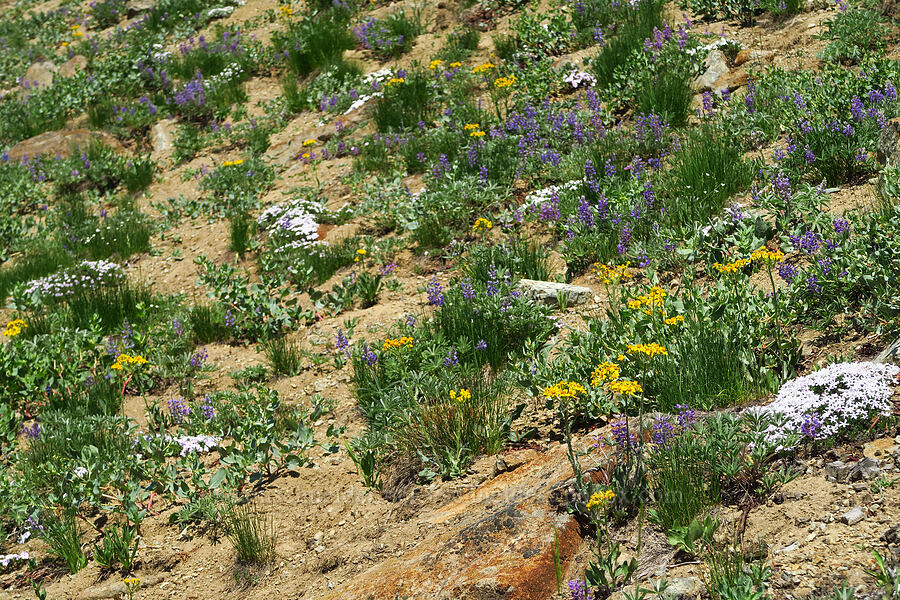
x=832, y=399
x=539, y=197
x=711, y=46
x=231, y=72
x=196, y=444
x=577, y=78
x=87, y=275
x=369, y=78
x=5, y=559
x=292, y=225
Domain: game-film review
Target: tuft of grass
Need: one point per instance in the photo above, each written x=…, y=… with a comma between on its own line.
x=251, y=532
x=284, y=355
x=404, y=104
x=62, y=535
x=208, y=323
x=241, y=230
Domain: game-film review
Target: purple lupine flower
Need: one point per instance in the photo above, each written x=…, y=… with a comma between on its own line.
x=178, y=410
x=622, y=437
x=31, y=433
x=127, y=336
x=452, y=359
x=686, y=415
x=369, y=357
x=856, y=109
x=177, y=327
x=387, y=269
x=786, y=271
x=841, y=226
x=578, y=590
x=481, y=345
x=112, y=348
x=341, y=343
x=435, y=292
x=468, y=291
x=229, y=318
x=492, y=282
x=199, y=358
x=410, y=321
x=207, y=409
x=812, y=284
x=662, y=431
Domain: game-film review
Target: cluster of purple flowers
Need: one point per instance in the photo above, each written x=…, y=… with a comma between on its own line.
x=199, y=358
x=341, y=343
x=178, y=410
x=207, y=409
x=435, y=292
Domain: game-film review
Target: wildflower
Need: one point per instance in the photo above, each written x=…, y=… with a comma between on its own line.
x=482, y=68
x=674, y=320
x=477, y=134
x=233, y=163
x=360, y=254
x=651, y=350
x=455, y=65
x=468, y=291
x=286, y=11
x=600, y=499
x=435, y=292
x=341, y=342
x=14, y=328
x=309, y=143
x=31, y=433
x=505, y=82
x=732, y=267
x=686, y=415
x=578, y=590
x=481, y=345
x=199, y=358
x=482, y=223
x=612, y=274
x=471, y=126
x=624, y=387
x=787, y=271
x=206, y=407
x=392, y=344
x=178, y=410
x=177, y=327
x=369, y=357
x=461, y=396
x=767, y=255
x=127, y=359
x=564, y=389
x=394, y=80
x=435, y=64
x=662, y=431
x=605, y=371
x=452, y=359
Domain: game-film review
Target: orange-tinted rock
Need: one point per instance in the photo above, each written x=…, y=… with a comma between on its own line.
x=62, y=143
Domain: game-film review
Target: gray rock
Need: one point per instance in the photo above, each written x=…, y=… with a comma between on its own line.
x=714, y=67
x=683, y=588
x=162, y=136
x=867, y=468
x=838, y=471
x=548, y=292
x=892, y=535
x=38, y=75
x=73, y=65
x=853, y=516
x=136, y=7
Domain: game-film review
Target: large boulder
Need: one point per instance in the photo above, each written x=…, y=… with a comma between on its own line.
x=715, y=67
x=549, y=293
x=38, y=75
x=62, y=143
x=73, y=65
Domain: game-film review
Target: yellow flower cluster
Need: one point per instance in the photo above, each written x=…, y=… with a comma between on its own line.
x=76, y=31
x=470, y=126
x=652, y=298
x=435, y=64
x=564, y=389
x=624, y=387
x=392, y=343
x=605, y=371
x=310, y=142
x=476, y=134
x=650, y=350
x=15, y=327
x=286, y=11
x=461, y=396
x=233, y=163
x=394, y=80
x=482, y=68
x=732, y=267
x=674, y=320
x=127, y=359
x=609, y=274
x=360, y=254
x=455, y=65
x=600, y=499
x=767, y=255
x=505, y=82
x=482, y=223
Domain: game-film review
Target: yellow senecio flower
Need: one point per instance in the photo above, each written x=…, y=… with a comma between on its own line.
x=360, y=254
x=767, y=255
x=482, y=223
x=469, y=126
x=126, y=359
x=304, y=155
x=435, y=64
x=600, y=499
x=394, y=80
x=286, y=11
x=309, y=143
x=605, y=371
x=461, y=396
x=455, y=65
x=611, y=274
x=393, y=344
x=15, y=327
x=476, y=134
x=650, y=350
x=233, y=163
x=482, y=68
x=505, y=82
x=564, y=389
x=624, y=387
x=732, y=267
x=674, y=320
